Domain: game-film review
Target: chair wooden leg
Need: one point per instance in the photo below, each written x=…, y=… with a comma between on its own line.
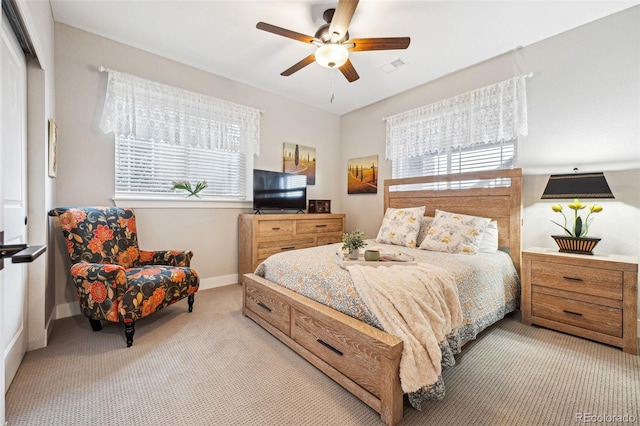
x=129, y=329
x=190, y=300
x=96, y=325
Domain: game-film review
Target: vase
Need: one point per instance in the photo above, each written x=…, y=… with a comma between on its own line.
x=354, y=253
x=579, y=245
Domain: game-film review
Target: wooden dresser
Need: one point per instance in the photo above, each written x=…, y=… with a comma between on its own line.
x=594, y=297
x=261, y=235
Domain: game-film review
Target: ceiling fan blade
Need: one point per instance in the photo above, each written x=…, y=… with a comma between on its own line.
x=349, y=71
x=383, y=43
x=297, y=67
x=284, y=32
x=342, y=18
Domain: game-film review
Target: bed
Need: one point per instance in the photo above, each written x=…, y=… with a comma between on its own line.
x=343, y=340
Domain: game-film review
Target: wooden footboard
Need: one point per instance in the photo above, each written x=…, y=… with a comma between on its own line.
x=361, y=358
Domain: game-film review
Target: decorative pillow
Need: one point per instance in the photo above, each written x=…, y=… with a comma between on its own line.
x=455, y=233
x=425, y=224
x=489, y=243
x=400, y=226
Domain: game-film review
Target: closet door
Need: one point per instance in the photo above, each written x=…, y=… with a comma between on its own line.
x=13, y=208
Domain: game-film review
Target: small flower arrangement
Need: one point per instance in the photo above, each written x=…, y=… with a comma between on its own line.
x=353, y=240
x=186, y=185
x=580, y=227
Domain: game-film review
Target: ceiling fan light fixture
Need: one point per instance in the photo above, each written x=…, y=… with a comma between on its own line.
x=332, y=55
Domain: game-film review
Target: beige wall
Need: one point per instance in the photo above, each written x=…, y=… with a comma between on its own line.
x=583, y=112
x=86, y=155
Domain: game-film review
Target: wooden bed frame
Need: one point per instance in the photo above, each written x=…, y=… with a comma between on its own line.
x=362, y=358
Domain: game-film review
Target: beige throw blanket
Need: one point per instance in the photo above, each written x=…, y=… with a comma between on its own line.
x=417, y=303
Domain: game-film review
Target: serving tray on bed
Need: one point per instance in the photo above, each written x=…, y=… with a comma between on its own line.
x=386, y=259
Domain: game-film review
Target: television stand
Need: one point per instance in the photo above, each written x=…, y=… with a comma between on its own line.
x=261, y=235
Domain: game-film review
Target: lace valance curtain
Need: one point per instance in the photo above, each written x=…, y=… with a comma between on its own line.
x=495, y=113
x=144, y=110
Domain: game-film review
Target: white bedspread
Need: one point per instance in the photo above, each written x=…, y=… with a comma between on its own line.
x=418, y=304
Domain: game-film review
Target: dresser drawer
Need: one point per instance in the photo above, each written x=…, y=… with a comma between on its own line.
x=589, y=316
x=318, y=226
x=275, y=228
x=353, y=359
x=594, y=281
x=269, y=247
x=269, y=306
x=323, y=239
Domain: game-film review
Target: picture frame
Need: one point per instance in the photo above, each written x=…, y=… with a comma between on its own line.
x=53, y=149
x=299, y=159
x=362, y=175
x=319, y=206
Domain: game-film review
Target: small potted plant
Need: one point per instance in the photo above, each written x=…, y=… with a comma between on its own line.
x=353, y=242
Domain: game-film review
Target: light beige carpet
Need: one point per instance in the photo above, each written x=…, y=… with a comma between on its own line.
x=215, y=367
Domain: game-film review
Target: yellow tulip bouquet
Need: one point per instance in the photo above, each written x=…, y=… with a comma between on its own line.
x=580, y=227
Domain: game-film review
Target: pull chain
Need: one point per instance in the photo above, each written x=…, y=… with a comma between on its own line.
x=331, y=89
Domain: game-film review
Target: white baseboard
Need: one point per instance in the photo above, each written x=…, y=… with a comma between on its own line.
x=65, y=310
x=213, y=282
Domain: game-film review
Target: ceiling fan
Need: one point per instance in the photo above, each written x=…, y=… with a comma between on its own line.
x=333, y=43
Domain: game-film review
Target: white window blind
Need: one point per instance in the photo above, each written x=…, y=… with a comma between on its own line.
x=501, y=155
x=475, y=131
x=165, y=134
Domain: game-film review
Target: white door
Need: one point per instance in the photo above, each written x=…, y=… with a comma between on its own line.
x=13, y=278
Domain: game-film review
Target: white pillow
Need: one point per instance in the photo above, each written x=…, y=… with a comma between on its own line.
x=489, y=243
x=455, y=233
x=400, y=226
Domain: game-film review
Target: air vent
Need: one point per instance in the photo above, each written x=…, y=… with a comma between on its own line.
x=393, y=65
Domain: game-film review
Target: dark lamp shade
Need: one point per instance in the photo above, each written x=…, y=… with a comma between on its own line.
x=577, y=185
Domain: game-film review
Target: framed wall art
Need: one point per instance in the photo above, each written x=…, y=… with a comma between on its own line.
x=362, y=175
x=53, y=149
x=300, y=160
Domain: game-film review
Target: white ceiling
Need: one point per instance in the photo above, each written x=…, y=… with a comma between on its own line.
x=221, y=37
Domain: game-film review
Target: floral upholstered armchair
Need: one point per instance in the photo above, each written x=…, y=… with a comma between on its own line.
x=114, y=279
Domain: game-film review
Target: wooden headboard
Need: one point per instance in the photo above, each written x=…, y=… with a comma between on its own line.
x=496, y=194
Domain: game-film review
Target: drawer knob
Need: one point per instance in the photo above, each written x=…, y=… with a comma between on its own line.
x=263, y=306
x=287, y=248
x=321, y=226
x=328, y=346
x=572, y=313
x=275, y=229
x=573, y=279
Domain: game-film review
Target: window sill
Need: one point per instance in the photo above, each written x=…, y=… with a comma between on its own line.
x=174, y=203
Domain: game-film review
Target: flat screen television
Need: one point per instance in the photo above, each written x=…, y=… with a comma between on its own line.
x=279, y=191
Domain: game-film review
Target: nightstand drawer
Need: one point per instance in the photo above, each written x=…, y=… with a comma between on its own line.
x=580, y=279
x=589, y=316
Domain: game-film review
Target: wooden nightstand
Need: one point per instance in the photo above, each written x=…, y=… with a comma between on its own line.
x=595, y=297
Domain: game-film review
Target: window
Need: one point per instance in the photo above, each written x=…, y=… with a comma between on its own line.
x=475, y=131
x=459, y=160
x=149, y=168
x=165, y=134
